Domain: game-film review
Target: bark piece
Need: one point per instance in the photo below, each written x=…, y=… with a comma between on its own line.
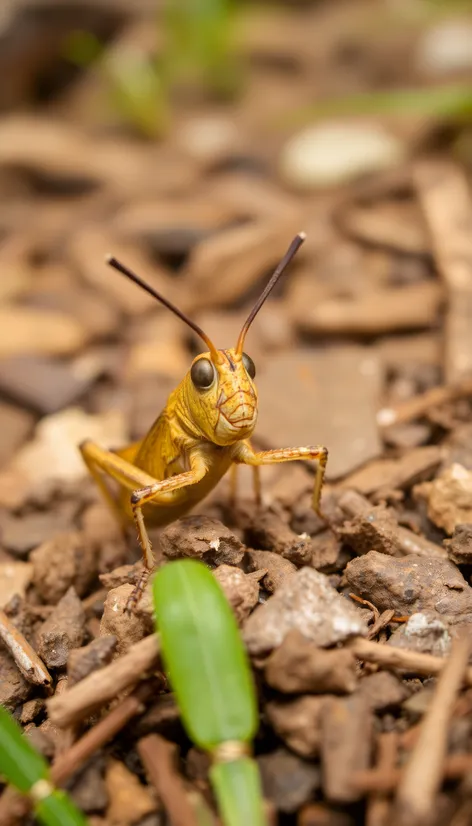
x=299, y=667
x=63, y=630
x=346, y=745
x=412, y=584
x=382, y=475
x=376, y=312
x=306, y=601
x=298, y=723
x=201, y=537
x=445, y=197
x=300, y=404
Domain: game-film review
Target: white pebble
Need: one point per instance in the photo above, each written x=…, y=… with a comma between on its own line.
x=333, y=153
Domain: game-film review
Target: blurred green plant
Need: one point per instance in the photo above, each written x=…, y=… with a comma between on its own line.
x=448, y=102
x=208, y=669
x=198, y=49
x=24, y=768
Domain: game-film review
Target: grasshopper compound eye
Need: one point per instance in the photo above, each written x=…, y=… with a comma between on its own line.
x=202, y=374
x=249, y=365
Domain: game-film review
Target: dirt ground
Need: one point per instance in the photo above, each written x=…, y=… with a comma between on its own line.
x=365, y=347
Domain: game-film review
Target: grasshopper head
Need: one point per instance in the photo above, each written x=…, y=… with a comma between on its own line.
x=221, y=398
x=223, y=395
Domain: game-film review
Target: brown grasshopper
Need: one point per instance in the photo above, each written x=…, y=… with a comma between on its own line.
x=201, y=433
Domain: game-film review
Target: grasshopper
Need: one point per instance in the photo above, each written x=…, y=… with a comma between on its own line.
x=202, y=432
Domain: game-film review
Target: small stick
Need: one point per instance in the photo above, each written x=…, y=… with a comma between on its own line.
x=423, y=403
x=422, y=776
x=75, y=757
x=30, y=665
x=412, y=661
x=156, y=755
x=378, y=805
x=372, y=780
x=105, y=684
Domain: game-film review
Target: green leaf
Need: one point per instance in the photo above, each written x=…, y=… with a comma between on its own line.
x=204, y=655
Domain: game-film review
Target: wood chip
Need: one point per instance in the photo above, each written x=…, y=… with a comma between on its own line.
x=328, y=398
x=447, y=203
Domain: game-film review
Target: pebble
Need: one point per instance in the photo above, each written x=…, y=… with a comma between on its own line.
x=298, y=667
x=412, y=584
x=201, y=537
x=241, y=590
x=448, y=497
x=287, y=780
x=298, y=723
x=53, y=453
x=67, y=559
x=13, y=686
x=330, y=154
x=62, y=631
x=129, y=800
x=424, y=632
x=305, y=601
x=445, y=49
x=127, y=628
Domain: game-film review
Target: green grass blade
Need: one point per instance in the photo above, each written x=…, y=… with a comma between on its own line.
x=204, y=655
x=58, y=810
x=20, y=764
x=238, y=790
x=448, y=101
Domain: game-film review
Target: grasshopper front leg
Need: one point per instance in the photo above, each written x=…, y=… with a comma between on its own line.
x=145, y=489
x=245, y=455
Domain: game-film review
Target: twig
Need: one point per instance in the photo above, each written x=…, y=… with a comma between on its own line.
x=411, y=661
x=423, y=403
x=75, y=757
x=32, y=668
x=14, y=806
x=371, y=780
x=378, y=805
x=422, y=777
x=157, y=756
x=103, y=685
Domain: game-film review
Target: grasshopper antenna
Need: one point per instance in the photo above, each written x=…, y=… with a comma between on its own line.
x=117, y=265
x=279, y=271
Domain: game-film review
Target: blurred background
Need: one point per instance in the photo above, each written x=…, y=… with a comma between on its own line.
x=193, y=140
